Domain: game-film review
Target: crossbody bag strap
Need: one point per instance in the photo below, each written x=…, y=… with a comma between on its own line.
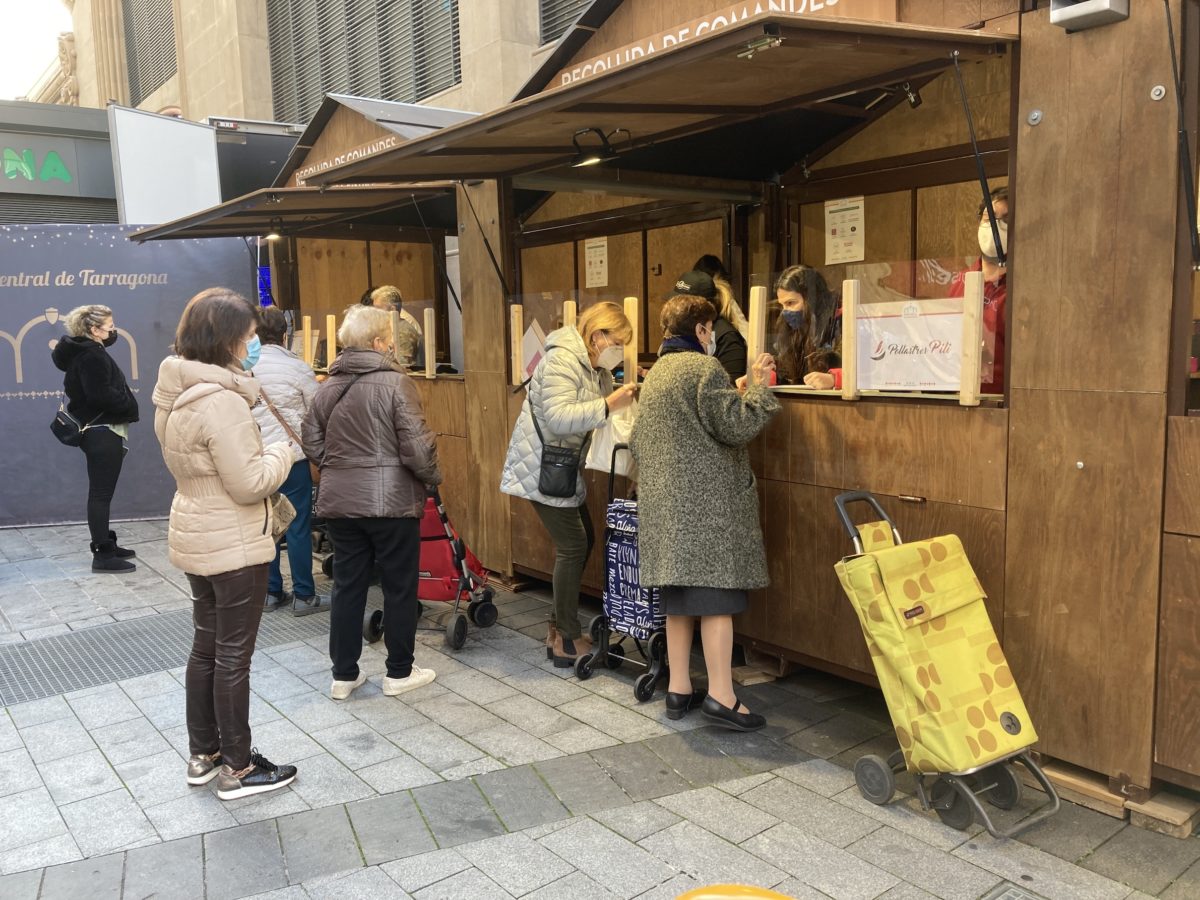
x=532, y=415
x=279, y=417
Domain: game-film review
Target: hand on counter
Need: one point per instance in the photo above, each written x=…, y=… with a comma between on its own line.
x=820, y=381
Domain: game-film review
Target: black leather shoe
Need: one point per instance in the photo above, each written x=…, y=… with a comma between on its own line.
x=679, y=704
x=731, y=718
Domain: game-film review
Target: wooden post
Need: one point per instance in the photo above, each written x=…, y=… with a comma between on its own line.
x=569, y=312
x=516, y=327
x=757, y=340
x=307, y=332
x=972, y=339
x=430, y=343
x=850, y=295
x=632, y=305
x=330, y=339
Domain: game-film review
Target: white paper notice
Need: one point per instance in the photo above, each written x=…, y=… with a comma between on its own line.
x=595, y=260
x=533, y=345
x=845, y=232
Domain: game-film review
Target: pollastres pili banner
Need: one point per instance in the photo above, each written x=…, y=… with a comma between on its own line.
x=45, y=272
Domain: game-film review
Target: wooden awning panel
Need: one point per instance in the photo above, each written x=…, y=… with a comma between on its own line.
x=295, y=211
x=707, y=83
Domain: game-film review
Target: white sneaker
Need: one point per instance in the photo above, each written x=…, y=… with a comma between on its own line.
x=419, y=678
x=341, y=690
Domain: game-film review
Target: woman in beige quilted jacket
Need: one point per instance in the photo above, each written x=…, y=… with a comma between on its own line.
x=220, y=529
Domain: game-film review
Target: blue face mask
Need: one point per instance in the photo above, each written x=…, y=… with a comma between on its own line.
x=795, y=318
x=253, y=352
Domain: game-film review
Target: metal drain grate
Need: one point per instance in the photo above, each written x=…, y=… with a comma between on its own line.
x=108, y=653
x=1009, y=891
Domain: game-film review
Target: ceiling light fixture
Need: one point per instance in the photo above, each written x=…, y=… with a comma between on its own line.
x=758, y=45
x=276, y=228
x=591, y=156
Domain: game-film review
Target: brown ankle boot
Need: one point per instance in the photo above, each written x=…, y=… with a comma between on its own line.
x=567, y=650
x=551, y=635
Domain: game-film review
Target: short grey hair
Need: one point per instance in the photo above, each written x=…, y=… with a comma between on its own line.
x=362, y=325
x=82, y=319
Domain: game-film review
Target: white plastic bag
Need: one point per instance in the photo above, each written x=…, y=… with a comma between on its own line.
x=616, y=430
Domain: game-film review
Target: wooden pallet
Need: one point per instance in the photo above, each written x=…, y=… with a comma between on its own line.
x=1166, y=813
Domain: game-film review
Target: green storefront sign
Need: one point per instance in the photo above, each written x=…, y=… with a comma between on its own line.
x=33, y=164
x=24, y=164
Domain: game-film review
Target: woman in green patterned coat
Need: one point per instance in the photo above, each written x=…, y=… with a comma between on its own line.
x=699, y=538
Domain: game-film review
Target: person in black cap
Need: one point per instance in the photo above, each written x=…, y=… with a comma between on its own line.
x=730, y=346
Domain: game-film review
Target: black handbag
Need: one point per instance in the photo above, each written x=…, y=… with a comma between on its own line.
x=559, y=472
x=67, y=428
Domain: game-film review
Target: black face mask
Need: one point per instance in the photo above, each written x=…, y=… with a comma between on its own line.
x=110, y=340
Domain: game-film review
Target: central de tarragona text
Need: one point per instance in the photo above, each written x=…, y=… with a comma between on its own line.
x=738, y=12
x=85, y=278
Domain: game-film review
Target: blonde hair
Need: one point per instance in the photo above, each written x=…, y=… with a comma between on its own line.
x=389, y=293
x=82, y=319
x=607, y=317
x=362, y=325
x=728, y=308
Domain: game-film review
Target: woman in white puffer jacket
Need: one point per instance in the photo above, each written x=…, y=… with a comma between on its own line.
x=570, y=393
x=288, y=386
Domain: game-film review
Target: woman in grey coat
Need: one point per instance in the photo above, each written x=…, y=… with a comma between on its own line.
x=570, y=394
x=699, y=538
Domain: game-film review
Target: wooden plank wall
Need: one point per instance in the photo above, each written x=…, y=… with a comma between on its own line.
x=345, y=130
x=1093, y=246
x=669, y=253
x=332, y=275
x=1177, y=722
x=445, y=403
x=487, y=527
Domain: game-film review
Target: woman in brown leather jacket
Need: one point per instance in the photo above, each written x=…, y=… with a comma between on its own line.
x=366, y=430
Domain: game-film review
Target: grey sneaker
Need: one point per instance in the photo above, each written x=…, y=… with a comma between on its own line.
x=262, y=776
x=202, y=769
x=277, y=600
x=306, y=606
x=417, y=678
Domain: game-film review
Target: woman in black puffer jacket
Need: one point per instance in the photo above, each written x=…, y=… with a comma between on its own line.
x=100, y=399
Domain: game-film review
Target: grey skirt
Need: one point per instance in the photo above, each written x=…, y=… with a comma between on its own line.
x=701, y=601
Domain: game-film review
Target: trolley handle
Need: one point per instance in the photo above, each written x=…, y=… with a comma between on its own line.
x=612, y=469
x=841, y=500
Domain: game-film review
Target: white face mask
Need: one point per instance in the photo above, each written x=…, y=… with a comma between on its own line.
x=987, y=241
x=610, y=357
x=711, y=347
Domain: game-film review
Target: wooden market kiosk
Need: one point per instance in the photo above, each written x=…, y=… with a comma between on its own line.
x=1074, y=493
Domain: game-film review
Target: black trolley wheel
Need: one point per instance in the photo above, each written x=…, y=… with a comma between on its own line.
x=485, y=613
x=456, y=632
x=1006, y=793
x=488, y=594
x=583, y=667
x=643, y=688
x=875, y=779
x=616, y=656
x=658, y=646
x=595, y=626
x=373, y=625
x=951, y=806
x=327, y=566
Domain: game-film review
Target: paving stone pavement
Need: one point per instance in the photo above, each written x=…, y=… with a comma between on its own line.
x=505, y=778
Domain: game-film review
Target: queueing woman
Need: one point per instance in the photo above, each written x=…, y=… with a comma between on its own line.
x=570, y=394
x=99, y=398
x=288, y=385
x=220, y=529
x=699, y=538
x=367, y=433
x=808, y=336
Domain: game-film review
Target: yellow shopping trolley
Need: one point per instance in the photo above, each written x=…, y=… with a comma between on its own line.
x=958, y=714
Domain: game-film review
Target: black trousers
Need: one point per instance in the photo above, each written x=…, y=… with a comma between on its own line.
x=358, y=546
x=105, y=451
x=226, y=610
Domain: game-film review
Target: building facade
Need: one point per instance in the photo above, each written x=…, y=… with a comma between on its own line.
x=275, y=59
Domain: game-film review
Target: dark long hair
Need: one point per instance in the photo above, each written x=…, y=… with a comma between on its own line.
x=213, y=324
x=815, y=348
x=712, y=267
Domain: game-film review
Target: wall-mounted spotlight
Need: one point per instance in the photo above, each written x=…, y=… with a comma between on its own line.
x=913, y=95
x=758, y=45
x=590, y=156
x=276, y=230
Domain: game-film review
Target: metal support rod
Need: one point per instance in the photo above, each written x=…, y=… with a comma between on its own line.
x=1002, y=256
